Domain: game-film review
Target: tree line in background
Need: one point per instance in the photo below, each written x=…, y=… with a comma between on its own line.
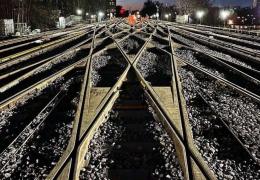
x=189, y=6
x=239, y=15
x=181, y=7
x=44, y=13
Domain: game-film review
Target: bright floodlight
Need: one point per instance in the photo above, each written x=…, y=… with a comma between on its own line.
x=166, y=16
x=79, y=12
x=230, y=22
x=157, y=14
x=200, y=14
x=224, y=14
x=100, y=14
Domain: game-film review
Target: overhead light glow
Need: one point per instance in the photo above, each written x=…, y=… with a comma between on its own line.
x=224, y=14
x=100, y=14
x=200, y=14
x=230, y=22
x=79, y=12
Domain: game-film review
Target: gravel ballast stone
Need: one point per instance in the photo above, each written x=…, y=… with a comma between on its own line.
x=39, y=155
x=155, y=67
x=107, y=139
x=131, y=144
x=224, y=156
x=209, y=51
x=107, y=68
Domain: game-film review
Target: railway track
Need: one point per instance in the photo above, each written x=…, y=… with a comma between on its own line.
x=219, y=69
x=254, y=45
x=9, y=54
x=249, y=66
x=39, y=146
x=212, y=126
x=26, y=140
x=244, y=53
x=254, y=37
x=118, y=103
x=11, y=71
x=26, y=39
x=138, y=142
x=20, y=66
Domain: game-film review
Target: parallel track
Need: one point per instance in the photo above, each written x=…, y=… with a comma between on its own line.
x=136, y=76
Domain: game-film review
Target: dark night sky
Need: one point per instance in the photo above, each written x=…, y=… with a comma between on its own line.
x=137, y=4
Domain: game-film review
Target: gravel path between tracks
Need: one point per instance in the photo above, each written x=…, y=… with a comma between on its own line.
x=108, y=137
x=131, y=45
x=237, y=44
x=155, y=68
x=160, y=33
x=228, y=33
x=9, y=112
x=216, y=147
x=36, y=158
x=142, y=35
x=103, y=60
x=167, y=150
x=189, y=55
x=120, y=35
x=148, y=29
x=115, y=30
x=209, y=51
x=158, y=44
x=200, y=60
x=124, y=26
x=147, y=64
x=60, y=59
x=240, y=112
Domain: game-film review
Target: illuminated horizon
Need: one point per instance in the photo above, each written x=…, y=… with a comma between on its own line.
x=138, y=4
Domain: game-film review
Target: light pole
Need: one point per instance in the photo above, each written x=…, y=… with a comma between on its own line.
x=79, y=12
x=166, y=16
x=157, y=14
x=200, y=15
x=224, y=15
x=253, y=20
x=100, y=16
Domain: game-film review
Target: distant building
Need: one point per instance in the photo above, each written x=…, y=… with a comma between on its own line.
x=110, y=7
x=256, y=3
x=256, y=7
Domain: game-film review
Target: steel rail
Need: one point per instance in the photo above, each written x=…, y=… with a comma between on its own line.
x=226, y=47
x=29, y=131
x=39, y=52
x=229, y=70
x=237, y=41
x=229, y=84
x=13, y=83
x=39, y=63
x=34, y=37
